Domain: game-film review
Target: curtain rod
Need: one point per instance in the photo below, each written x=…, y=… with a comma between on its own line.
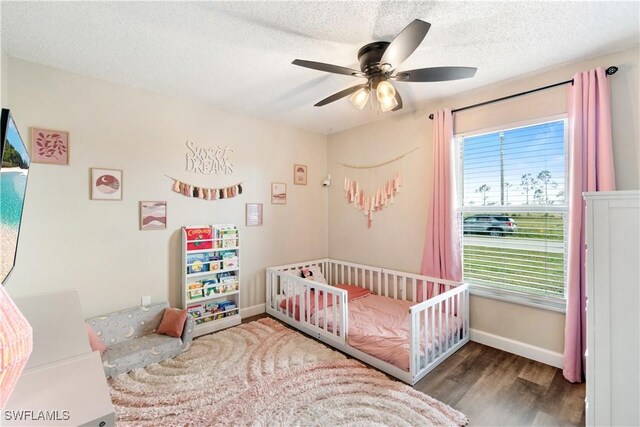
x=610, y=71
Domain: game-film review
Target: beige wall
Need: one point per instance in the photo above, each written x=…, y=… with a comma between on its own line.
x=4, y=67
x=69, y=241
x=3, y=71
x=396, y=238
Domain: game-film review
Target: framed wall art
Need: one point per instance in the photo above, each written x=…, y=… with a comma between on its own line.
x=106, y=184
x=254, y=214
x=153, y=215
x=278, y=193
x=49, y=146
x=300, y=174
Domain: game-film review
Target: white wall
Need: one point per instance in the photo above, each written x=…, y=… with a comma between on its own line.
x=70, y=241
x=4, y=68
x=396, y=238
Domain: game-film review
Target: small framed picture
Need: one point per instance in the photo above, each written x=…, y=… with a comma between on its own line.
x=278, y=193
x=153, y=215
x=50, y=146
x=300, y=174
x=254, y=214
x=106, y=184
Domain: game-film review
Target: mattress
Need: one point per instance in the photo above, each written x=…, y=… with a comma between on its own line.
x=379, y=326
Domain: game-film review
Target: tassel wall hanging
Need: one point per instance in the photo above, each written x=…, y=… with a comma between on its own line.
x=382, y=197
x=375, y=202
x=192, y=191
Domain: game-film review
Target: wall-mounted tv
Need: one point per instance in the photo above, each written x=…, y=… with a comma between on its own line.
x=14, y=172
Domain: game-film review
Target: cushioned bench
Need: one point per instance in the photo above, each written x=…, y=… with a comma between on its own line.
x=131, y=340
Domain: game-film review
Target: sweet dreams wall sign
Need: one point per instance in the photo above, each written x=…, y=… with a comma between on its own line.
x=207, y=161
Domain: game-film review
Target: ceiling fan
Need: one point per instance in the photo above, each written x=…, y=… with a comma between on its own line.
x=378, y=63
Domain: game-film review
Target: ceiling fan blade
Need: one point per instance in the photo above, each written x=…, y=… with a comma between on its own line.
x=436, y=74
x=328, y=68
x=339, y=95
x=399, y=99
x=405, y=43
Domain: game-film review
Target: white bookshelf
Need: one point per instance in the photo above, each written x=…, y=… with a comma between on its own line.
x=211, y=276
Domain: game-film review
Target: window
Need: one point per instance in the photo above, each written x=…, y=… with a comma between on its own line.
x=512, y=212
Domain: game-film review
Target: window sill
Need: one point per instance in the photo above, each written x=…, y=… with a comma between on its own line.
x=546, y=303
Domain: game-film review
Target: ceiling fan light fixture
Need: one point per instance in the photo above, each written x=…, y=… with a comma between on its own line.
x=385, y=92
x=360, y=98
x=388, y=104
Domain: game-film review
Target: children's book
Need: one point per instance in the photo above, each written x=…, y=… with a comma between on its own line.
x=229, y=236
x=209, y=308
x=195, y=311
x=195, y=294
x=213, y=291
x=197, y=263
x=228, y=279
x=230, y=287
x=229, y=263
x=199, y=238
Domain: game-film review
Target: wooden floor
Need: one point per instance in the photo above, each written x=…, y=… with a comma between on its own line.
x=495, y=388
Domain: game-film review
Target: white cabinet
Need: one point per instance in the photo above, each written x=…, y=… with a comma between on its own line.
x=211, y=276
x=613, y=308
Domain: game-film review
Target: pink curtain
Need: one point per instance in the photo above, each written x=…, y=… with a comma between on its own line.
x=441, y=256
x=590, y=169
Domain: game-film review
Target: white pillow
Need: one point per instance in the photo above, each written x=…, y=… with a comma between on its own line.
x=313, y=273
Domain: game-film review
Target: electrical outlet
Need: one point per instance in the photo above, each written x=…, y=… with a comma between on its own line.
x=146, y=300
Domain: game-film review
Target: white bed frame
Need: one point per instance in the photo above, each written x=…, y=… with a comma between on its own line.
x=284, y=282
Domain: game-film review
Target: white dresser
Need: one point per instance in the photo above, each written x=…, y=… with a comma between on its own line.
x=613, y=308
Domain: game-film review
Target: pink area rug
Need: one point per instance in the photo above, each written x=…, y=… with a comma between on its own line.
x=262, y=373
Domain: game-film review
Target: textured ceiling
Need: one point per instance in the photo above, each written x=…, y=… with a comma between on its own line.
x=236, y=56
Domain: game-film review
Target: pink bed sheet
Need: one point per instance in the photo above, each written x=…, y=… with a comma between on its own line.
x=379, y=326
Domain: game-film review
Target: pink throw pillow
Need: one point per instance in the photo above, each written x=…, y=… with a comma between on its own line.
x=173, y=322
x=94, y=340
x=354, y=292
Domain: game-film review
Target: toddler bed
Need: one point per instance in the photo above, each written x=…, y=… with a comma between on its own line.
x=377, y=308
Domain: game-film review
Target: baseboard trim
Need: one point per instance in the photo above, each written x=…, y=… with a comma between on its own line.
x=529, y=351
x=253, y=310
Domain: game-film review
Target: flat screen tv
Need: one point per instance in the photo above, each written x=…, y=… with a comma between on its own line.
x=14, y=172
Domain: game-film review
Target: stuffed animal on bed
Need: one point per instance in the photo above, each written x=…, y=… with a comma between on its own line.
x=313, y=273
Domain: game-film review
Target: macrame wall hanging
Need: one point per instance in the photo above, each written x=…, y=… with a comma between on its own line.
x=196, y=192
x=381, y=197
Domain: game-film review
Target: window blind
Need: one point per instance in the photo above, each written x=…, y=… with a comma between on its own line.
x=512, y=209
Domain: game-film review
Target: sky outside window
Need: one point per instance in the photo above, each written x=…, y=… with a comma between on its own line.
x=533, y=165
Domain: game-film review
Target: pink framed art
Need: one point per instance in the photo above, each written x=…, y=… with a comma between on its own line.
x=49, y=146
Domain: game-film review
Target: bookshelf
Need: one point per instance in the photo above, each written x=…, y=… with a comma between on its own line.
x=211, y=276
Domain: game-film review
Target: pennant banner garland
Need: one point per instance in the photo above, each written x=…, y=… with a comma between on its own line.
x=189, y=190
x=369, y=204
